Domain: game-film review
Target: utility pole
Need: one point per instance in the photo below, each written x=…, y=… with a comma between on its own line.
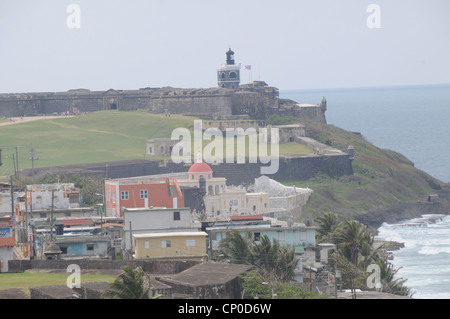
x=15, y=170
x=32, y=154
x=17, y=163
x=131, y=243
x=51, y=217
x=12, y=195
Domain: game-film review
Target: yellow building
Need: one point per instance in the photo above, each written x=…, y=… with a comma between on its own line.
x=170, y=245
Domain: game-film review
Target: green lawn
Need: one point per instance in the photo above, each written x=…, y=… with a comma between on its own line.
x=96, y=137
x=27, y=280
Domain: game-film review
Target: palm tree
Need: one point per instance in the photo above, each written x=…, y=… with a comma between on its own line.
x=327, y=223
x=269, y=257
x=274, y=260
x=131, y=284
x=351, y=236
x=237, y=247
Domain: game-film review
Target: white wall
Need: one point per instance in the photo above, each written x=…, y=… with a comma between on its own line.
x=156, y=220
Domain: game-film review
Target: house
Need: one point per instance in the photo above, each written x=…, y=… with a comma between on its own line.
x=170, y=245
x=208, y=280
x=82, y=246
x=296, y=235
x=65, y=196
x=7, y=242
x=141, y=192
x=156, y=220
x=5, y=198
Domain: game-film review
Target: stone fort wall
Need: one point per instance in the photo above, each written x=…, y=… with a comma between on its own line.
x=256, y=101
x=290, y=169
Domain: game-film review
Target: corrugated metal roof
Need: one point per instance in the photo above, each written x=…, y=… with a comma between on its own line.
x=171, y=234
x=6, y=242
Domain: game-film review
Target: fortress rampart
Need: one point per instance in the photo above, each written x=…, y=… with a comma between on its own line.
x=253, y=101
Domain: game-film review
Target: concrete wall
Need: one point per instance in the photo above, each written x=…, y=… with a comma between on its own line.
x=153, y=267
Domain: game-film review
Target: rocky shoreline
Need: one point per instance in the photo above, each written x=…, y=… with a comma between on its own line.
x=408, y=210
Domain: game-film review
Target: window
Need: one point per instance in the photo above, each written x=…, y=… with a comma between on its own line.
x=165, y=244
x=176, y=216
x=147, y=244
x=124, y=195
x=63, y=250
x=233, y=75
x=162, y=149
x=42, y=215
x=256, y=236
x=190, y=242
x=114, y=197
x=150, y=150
x=74, y=198
x=303, y=235
x=172, y=190
x=90, y=247
x=144, y=193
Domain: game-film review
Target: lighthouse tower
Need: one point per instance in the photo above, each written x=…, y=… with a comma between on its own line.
x=228, y=75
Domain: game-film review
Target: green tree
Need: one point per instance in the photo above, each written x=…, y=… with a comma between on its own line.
x=274, y=261
x=351, y=237
x=327, y=224
x=131, y=284
x=237, y=247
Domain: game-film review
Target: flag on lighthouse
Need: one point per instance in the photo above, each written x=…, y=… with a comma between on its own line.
x=248, y=67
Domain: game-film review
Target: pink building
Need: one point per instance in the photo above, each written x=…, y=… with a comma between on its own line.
x=141, y=192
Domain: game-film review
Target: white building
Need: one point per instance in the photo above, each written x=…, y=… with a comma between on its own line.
x=156, y=220
x=221, y=200
x=65, y=196
x=284, y=200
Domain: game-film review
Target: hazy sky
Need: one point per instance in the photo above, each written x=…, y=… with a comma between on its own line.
x=290, y=44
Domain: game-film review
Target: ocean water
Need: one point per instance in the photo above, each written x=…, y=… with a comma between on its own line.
x=414, y=121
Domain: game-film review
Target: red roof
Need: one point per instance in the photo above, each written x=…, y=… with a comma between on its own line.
x=200, y=168
x=247, y=217
x=76, y=222
x=6, y=241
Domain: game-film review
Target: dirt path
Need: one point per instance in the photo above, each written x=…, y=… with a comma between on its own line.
x=25, y=119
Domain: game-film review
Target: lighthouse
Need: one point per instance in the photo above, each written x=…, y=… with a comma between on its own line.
x=228, y=74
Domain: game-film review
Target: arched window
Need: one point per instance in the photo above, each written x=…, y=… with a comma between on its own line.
x=233, y=75
x=210, y=190
x=222, y=75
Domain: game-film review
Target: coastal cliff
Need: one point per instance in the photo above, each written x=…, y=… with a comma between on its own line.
x=385, y=185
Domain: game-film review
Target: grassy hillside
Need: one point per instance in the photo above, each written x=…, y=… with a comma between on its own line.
x=381, y=177
x=27, y=280
x=91, y=138
x=96, y=137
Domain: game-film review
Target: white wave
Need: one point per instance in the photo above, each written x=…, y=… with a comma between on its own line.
x=434, y=250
